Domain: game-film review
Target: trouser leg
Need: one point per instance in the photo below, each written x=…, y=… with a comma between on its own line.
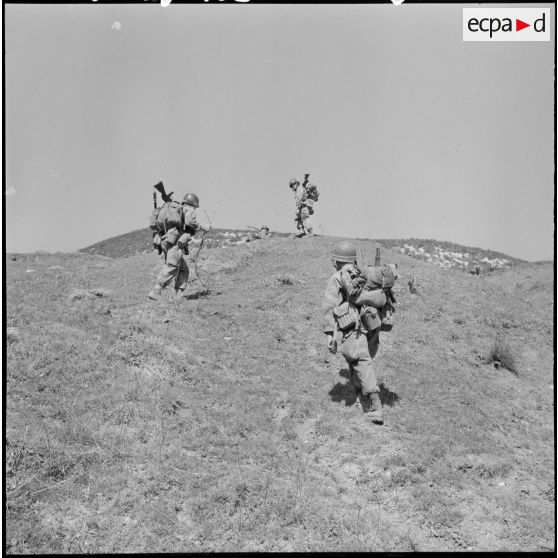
x=167, y=274
x=355, y=349
x=175, y=262
x=306, y=221
x=182, y=278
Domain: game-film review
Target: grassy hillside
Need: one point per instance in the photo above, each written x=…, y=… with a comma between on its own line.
x=214, y=424
x=139, y=242
x=451, y=255
x=443, y=254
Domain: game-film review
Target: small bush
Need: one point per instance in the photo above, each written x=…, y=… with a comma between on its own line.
x=502, y=356
x=79, y=294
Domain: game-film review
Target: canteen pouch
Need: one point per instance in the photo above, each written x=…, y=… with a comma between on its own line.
x=345, y=316
x=369, y=318
x=172, y=235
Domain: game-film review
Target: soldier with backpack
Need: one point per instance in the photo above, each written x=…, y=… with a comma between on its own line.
x=305, y=196
x=179, y=224
x=355, y=307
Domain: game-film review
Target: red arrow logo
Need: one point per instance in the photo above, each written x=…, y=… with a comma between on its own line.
x=519, y=25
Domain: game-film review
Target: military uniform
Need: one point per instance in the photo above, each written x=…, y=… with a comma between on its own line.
x=303, y=219
x=359, y=343
x=175, y=247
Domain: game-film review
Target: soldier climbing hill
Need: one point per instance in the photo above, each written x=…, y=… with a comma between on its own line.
x=305, y=195
x=176, y=225
x=359, y=314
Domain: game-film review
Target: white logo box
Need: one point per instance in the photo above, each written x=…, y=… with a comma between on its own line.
x=499, y=24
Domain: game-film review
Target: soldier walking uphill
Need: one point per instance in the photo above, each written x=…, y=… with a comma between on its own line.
x=360, y=331
x=305, y=196
x=175, y=246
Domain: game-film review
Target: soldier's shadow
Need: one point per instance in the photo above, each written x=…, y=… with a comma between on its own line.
x=346, y=392
x=343, y=391
x=198, y=294
x=389, y=398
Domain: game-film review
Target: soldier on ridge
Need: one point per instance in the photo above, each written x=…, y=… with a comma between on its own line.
x=303, y=209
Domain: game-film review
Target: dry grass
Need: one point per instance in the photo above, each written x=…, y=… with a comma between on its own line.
x=213, y=424
x=502, y=354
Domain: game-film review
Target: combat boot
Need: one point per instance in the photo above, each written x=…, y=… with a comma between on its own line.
x=375, y=411
x=155, y=292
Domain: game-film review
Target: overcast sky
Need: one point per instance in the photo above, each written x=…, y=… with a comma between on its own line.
x=407, y=130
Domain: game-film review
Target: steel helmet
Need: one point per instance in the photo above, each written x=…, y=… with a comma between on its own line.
x=292, y=182
x=345, y=252
x=191, y=199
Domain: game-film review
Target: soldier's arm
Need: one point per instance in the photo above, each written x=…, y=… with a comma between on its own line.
x=191, y=221
x=332, y=298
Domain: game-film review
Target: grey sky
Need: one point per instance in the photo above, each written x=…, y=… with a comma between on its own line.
x=407, y=130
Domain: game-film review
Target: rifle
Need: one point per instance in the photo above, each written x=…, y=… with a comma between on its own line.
x=306, y=177
x=161, y=189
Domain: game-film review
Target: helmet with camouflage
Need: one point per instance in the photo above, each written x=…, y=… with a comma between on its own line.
x=191, y=199
x=345, y=252
x=293, y=182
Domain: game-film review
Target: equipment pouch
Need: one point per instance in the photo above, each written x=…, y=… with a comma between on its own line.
x=346, y=316
x=369, y=318
x=153, y=224
x=376, y=298
x=172, y=235
x=386, y=315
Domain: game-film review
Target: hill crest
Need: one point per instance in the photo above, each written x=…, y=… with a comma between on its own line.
x=440, y=253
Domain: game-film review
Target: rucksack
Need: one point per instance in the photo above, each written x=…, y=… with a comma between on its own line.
x=371, y=286
x=169, y=215
x=312, y=192
x=378, y=277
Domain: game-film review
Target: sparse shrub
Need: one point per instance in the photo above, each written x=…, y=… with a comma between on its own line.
x=100, y=292
x=79, y=294
x=502, y=355
x=276, y=281
x=284, y=279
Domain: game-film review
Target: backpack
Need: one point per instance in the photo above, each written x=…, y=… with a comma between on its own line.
x=371, y=286
x=312, y=192
x=378, y=277
x=168, y=216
